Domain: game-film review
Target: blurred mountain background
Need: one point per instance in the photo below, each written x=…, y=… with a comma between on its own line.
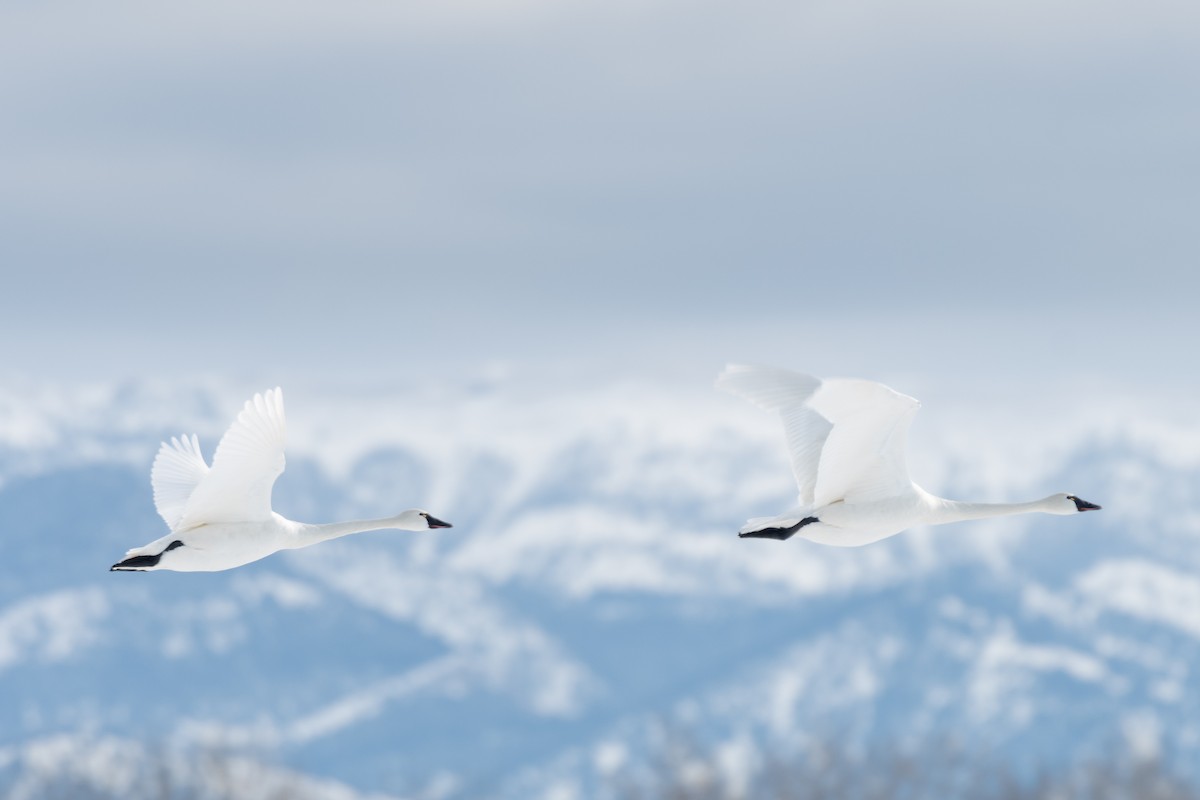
x=496, y=253
x=592, y=610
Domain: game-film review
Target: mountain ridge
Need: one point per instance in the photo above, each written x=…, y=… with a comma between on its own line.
x=593, y=586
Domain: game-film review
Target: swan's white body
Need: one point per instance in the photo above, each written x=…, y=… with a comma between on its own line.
x=220, y=517
x=847, y=441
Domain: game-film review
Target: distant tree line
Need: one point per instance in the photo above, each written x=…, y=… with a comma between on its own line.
x=204, y=774
x=683, y=769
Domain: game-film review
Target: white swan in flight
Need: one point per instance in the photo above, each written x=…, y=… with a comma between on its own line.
x=847, y=443
x=220, y=517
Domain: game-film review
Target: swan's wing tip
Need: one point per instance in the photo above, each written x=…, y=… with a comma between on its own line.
x=272, y=402
x=768, y=387
x=267, y=407
x=272, y=396
x=731, y=371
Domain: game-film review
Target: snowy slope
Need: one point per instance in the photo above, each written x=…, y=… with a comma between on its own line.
x=591, y=586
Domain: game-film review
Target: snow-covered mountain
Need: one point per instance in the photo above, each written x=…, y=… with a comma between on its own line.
x=591, y=587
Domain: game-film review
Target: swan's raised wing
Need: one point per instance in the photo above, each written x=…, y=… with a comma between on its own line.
x=864, y=457
x=178, y=469
x=248, y=460
x=846, y=438
x=788, y=393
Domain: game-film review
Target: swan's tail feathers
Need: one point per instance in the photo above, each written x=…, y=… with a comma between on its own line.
x=767, y=387
x=772, y=528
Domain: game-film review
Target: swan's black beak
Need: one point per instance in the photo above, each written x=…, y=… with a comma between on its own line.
x=1083, y=505
x=434, y=522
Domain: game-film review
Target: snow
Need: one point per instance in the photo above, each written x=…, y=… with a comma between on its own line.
x=1148, y=591
x=593, y=584
x=497, y=648
x=52, y=627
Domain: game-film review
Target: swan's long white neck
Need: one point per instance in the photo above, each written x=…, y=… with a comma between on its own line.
x=307, y=534
x=943, y=510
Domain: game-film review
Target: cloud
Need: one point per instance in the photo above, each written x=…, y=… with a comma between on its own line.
x=404, y=179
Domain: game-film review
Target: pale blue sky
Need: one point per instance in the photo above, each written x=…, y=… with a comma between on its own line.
x=292, y=187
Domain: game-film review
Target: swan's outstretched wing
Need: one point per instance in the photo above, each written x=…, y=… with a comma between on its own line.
x=178, y=469
x=846, y=438
x=864, y=457
x=788, y=393
x=248, y=460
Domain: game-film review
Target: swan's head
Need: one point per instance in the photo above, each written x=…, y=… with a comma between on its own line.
x=417, y=520
x=1063, y=503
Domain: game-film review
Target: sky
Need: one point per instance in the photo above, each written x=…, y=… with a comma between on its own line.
x=992, y=206
x=390, y=191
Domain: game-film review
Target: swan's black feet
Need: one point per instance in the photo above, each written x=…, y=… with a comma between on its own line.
x=143, y=562
x=135, y=563
x=781, y=534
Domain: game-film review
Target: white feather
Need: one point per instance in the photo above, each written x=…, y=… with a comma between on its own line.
x=787, y=393
x=847, y=441
x=221, y=517
x=178, y=469
x=248, y=460
x=864, y=454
